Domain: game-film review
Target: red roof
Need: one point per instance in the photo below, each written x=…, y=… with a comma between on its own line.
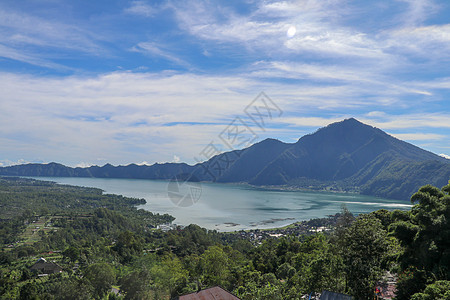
x=214, y=293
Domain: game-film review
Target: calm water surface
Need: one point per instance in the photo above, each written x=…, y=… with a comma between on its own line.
x=228, y=207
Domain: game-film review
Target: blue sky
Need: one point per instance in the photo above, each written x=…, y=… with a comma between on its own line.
x=86, y=83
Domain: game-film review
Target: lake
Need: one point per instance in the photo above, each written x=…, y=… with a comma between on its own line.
x=229, y=207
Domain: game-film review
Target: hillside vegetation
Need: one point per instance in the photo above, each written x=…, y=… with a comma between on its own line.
x=105, y=244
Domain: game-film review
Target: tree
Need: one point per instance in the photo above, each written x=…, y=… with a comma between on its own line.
x=438, y=290
x=365, y=248
x=136, y=285
x=72, y=253
x=317, y=266
x=102, y=277
x=30, y=291
x=214, y=265
x=169, y=277
x=260, y=286
x=70, y=288
x=425, y=236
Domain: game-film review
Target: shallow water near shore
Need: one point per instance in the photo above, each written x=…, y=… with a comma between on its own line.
x=229, y=207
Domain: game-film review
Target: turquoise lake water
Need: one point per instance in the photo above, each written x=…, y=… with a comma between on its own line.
x=228, y=207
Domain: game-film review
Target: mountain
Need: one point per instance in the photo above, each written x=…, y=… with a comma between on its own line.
x=350, y=155
x=343, y=156
x=156, y=171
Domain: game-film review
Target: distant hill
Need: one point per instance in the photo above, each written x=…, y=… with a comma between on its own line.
x=343, y=156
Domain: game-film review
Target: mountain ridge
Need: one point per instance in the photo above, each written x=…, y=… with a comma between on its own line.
x=343, y=156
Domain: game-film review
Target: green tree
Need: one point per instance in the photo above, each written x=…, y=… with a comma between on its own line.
x=136, y=285
x=364, y=250
x=260, y=286
x=30, y=291
x=72, y=253
x=317, y=266
x=425, y=236
x=438, y=290
x=70, y=288
x=169, y=277
x=102, y=277
x=215, y=266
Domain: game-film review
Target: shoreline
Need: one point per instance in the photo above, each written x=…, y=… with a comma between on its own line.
x=236, y=224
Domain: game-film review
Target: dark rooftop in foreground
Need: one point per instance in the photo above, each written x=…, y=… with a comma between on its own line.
x=214, y=293
x=327, y=295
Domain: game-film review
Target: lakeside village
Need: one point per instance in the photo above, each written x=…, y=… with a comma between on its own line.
x=257, y=236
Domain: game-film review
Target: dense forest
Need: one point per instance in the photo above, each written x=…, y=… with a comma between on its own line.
x=108, y=249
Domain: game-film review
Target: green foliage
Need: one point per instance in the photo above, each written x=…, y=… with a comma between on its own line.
x=72, y=253
x=136, y=285
x=169, y=276
x=410, y=281
x=192, y=240
x=440, y=290
x=260, y=286
x=317, y=267
x=214, y=266
x=101, y=276
x=365, y=249
x=426, y=240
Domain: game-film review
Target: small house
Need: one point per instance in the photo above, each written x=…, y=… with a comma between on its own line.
x=44, y=267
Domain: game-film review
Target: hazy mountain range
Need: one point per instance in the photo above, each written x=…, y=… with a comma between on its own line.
x=343, y=156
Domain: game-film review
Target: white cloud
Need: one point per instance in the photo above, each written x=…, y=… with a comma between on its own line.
x=418, y=11
x=82, y=118
x=265, y=29
x=14, y=54
x=419, y=136
x=24, y=36
x=441, y=83
x=20, y=28
x=153, y=49
x=141, y=8
x=426, y=120
x=289, y=69
x=320, y=34
x=84, y=165
x=431, y=42
x=311, y=121
x=7, y=163
x=445, y=155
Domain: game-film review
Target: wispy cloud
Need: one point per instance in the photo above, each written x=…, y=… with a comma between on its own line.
x=153, y=49
x=418, y=11
x=141, y=8
x=265, y=30
x=24, y=36
x=419, y=136
x=430, y=42
x=10, y=53
x=426, y=120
